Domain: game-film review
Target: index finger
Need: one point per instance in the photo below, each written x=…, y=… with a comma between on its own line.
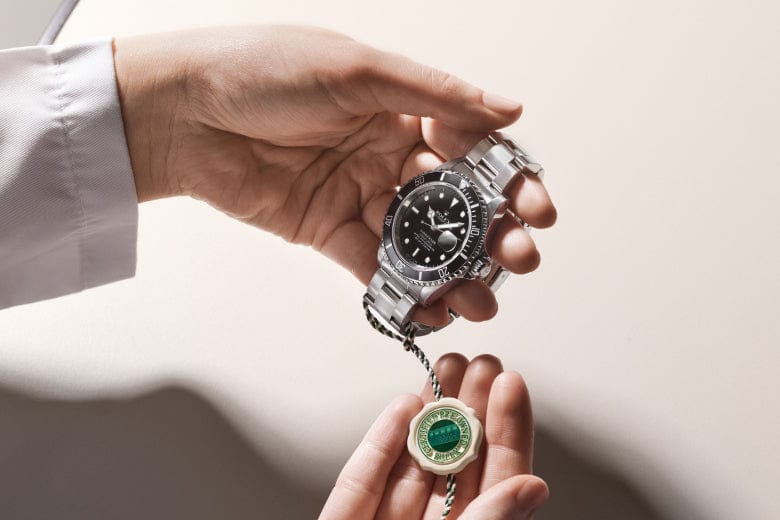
x=389, y=82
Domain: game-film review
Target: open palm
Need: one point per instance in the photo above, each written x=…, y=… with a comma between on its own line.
x=307, y=134
x=382, y=481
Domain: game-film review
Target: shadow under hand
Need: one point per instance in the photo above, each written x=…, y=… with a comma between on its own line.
x=170, y=454
x=167, y=455
x=581, y=490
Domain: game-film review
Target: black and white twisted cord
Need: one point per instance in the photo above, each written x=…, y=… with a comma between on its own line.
x=409, y=345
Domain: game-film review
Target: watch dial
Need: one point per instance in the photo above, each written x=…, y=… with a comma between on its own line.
x=434, y=227
x=432, y=224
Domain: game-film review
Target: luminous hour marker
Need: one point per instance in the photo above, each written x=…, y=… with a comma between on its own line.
x=426, y=197
x=442, y=257
x=455, y=201
x=441, y=195
x=462, y=231
x=415, y=209
x=406, y=240
x=415, y=251
x=462, y=213
x=406, y=224
x=427, y=259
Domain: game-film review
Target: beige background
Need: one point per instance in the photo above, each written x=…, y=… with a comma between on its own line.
x=24, y=24
x=235, y=372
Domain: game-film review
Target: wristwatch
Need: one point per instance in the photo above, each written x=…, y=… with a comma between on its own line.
x=436, y=228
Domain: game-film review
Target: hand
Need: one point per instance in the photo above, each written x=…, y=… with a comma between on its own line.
x=306, y=133
x=382, y=481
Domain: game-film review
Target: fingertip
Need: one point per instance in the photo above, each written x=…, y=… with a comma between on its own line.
x=531, y=202
x=435, y=315
x=533, y=492
x=510, y=394
x=487, y=362
x=452, y=361
x=511, y=383
x=449, y=368
x=514, y=248
x=405, y=404
x=515, y=497
x=473, y=300
x=502, y=105
x=546, y=217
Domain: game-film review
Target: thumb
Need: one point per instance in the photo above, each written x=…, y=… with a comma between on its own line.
x=394, y=83
x=514, y=498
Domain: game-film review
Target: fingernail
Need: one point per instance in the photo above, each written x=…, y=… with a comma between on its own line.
x=531, y=496
x=499, y=103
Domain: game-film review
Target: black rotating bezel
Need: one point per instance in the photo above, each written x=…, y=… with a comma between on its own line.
x=458, y=265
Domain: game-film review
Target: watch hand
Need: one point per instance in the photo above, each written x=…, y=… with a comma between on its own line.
x=450, y=226
x=431, y=215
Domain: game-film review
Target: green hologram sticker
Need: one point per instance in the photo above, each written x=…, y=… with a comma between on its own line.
x=443, y=435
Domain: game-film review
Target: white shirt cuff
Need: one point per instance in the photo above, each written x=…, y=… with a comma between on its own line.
x=68, y=205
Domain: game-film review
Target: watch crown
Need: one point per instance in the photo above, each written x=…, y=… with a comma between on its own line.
x=480, y=268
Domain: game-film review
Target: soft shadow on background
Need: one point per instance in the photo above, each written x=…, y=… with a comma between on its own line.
x=171, y=454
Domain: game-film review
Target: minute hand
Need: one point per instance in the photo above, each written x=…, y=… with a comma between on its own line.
x=450, y=226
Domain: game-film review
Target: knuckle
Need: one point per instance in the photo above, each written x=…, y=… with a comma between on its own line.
x=348, y=64
x=358, y=486
x=448, y=87
x=360, y=63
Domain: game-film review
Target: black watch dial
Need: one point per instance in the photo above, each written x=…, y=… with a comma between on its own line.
x=434, y=227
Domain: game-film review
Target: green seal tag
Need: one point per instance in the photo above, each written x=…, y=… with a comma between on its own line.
x=445, y=436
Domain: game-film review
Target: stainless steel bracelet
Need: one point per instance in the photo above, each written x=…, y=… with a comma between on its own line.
x=389, y=299
x=496, y=161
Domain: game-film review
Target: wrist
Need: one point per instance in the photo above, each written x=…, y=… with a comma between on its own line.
x=150, y=87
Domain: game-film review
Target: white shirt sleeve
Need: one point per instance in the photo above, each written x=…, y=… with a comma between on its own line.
x=68, y=205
